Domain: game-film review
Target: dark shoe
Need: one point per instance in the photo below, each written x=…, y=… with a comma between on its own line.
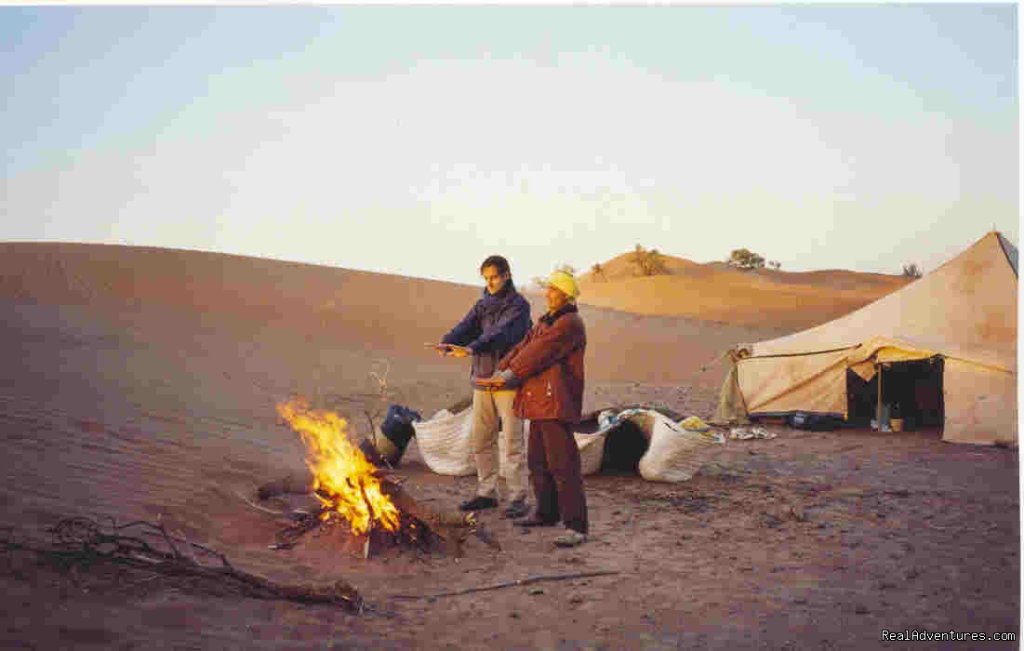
x=517, y=509
x=478, y=503
x=535, y=521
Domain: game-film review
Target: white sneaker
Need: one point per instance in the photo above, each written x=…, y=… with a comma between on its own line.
x=571, y=538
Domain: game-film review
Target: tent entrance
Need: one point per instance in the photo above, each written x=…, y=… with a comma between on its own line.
x=911, y=395
x=861, y=399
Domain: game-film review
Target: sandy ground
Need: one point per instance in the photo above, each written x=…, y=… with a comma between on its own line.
x=152, y=394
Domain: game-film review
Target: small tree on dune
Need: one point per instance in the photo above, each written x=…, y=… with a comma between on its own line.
x=648, y=263
x=745, y=259
x=775, y=264
x=911, y=270
x=597, y=271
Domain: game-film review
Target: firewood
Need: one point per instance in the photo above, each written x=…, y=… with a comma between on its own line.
x=293, y=483
x=85, y=543
x=451, y=527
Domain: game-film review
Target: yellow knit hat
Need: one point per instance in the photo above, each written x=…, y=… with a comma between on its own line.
x=564, y=281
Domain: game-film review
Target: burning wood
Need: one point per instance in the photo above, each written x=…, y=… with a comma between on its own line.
x=343, y=480
x=352, y=491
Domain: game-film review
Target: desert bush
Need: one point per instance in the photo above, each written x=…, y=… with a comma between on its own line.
x=648, y=263
x=745, y=259
x=911, y=270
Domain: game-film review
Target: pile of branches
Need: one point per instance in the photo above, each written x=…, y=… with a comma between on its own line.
x=144, y=547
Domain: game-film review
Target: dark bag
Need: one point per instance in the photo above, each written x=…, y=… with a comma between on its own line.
x=397, y=425
x=813, y=422
x=398, y=431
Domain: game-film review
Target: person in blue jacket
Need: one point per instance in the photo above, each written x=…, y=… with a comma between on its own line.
x=492, y=327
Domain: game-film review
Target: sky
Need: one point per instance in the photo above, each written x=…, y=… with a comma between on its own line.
x=418, y=140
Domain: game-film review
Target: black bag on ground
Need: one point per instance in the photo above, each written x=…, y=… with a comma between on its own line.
x=398, y=431
x=813, y=422
x=397, y=425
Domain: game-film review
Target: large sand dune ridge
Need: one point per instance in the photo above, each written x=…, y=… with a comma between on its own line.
x=717, y=292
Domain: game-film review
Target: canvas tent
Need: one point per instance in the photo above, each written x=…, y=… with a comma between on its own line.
x=942, y=349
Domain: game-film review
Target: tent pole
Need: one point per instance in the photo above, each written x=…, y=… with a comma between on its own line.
x=878, y=404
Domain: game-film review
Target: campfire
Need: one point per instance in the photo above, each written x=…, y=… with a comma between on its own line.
x=354, y=494
x=344, y=482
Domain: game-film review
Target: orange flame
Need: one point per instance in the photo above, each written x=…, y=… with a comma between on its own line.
x=339, y=469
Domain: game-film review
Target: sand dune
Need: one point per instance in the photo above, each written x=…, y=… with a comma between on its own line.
x=141, y=383
x=717, y=292
x=334, y=308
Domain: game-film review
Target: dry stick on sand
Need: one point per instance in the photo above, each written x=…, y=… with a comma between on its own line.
x=369, y=532
x=510, y=584
x=382, y=393
x=82, y=542
x=250, y=503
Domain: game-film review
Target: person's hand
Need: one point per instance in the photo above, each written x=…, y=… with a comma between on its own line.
x=459, y=351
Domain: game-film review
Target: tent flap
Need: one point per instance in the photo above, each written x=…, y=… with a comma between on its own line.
x=815, y=383
x=732, y=410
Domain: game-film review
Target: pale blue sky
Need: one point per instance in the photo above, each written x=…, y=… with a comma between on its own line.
x=418, y=140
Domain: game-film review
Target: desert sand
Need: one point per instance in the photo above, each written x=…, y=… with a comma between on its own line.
x=717, y=292
x=141, y=383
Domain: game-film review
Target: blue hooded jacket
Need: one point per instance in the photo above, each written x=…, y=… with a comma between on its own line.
x=494, y=324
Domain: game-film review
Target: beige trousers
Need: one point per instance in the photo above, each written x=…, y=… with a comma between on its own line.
x=492, y=451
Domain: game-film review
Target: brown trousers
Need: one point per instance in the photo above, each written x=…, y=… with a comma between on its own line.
x=554, y=462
